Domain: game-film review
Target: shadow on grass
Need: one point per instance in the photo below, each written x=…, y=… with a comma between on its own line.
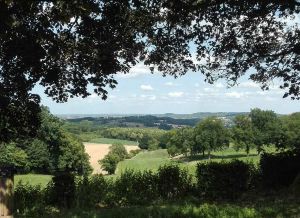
x=200, y=157
x=187, y=210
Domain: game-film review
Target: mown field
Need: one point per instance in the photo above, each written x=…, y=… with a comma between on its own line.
x=112, y=141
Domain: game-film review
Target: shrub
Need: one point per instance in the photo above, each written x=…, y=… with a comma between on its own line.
x=109, y=163
x=28, y=199
x=136, y=188
x=61, y=191
x=173, y=182
x=119, y=150
x=224, y=179
x=279, y=170
x=91, y=191
x=133, y=153
x=116, y=154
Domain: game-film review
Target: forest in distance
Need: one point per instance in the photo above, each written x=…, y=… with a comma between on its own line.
x=162, y=121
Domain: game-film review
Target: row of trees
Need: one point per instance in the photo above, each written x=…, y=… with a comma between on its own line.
x=147, y=138
x=51, y=150
x=257, y=129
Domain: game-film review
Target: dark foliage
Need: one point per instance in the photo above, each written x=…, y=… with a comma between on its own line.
x=173, y=182
x=224, y=180
x=279, y=170
x=136, y=188
x=29, y=199
x=49, y=43
x=90, y=192
x=62, y=192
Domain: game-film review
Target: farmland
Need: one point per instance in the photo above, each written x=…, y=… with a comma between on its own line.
x=97, y=151
x=148, y=160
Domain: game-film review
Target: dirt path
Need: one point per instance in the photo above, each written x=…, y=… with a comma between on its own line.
x=98, y=151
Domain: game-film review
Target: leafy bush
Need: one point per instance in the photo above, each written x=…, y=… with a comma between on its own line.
x=173, y=182
x=279, y=170
x=109, y=162
x=91, y=191
x=224, y=179
x=133, y=153
x=116, y=154
x=136, y=188
x=28, y=198
x=119, y=150
x=61, y=192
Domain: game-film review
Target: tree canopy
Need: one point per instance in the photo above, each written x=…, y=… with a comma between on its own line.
x=66, y=45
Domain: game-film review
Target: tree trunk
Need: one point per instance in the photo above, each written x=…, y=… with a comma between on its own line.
x=6, y=192
x=208, y=154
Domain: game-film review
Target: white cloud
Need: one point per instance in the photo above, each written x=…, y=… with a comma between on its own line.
x=249, y=84
x=148, y=97
x=175, y=94
x=234, y=94
x=93, y=96
x=219, y=85
x=146, y=87
x=261, y=93
x=137, y=70
x=169, y=84
x=153, y=97
x=211, y=90
x=197, y=85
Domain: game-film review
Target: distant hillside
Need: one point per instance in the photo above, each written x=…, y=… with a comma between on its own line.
x=161, y=121
x=202, y=115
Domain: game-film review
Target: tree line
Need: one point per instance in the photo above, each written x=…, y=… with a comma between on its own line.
x=255, y=130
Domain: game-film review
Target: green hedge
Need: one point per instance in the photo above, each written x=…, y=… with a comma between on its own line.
x=223, y=180
x=279, y=170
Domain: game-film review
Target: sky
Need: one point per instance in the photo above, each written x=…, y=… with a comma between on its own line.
x=141, y=92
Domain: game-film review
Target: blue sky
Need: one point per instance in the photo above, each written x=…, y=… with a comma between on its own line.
x=141, y=92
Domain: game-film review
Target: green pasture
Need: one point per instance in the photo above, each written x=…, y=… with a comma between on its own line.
x=33, y=179
x=112, y=141
x=146, y=160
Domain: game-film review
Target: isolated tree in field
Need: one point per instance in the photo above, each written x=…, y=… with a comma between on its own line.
x=66, y=45
x=109, y=163
x=243, y=133
x=119, y=149
x=212, y=134
x=117, y=152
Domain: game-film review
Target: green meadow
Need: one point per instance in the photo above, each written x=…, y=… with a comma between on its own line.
x=112, y=141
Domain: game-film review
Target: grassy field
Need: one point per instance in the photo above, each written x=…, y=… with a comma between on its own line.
x=152, y=160
x=33, y=179
x=112, y=141
x=147, y=160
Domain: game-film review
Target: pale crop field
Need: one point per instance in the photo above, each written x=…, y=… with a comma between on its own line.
x=98, y=151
